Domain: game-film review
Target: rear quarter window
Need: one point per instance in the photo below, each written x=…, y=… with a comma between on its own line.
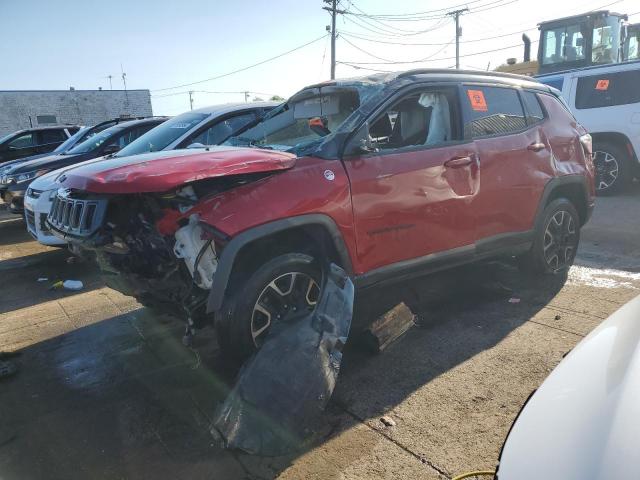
x=608, y=89
x=492, y=111
x=533, y=110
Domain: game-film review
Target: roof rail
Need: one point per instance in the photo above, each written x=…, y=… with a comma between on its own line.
x=450, y=71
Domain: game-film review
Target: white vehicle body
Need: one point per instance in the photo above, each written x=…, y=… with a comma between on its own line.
x=606, y=101
x=583, y=422
x=37, y=201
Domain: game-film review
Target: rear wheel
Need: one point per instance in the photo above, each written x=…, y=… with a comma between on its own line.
x=277, y=292
x=613, y=170
x=556, y=240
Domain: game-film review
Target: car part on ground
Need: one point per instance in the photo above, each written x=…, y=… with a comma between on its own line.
x=190, y=229
x=283, y=388
x=583, y=419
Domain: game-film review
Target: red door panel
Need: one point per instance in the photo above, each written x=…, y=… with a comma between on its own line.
x=409, y=204
x=513, y=178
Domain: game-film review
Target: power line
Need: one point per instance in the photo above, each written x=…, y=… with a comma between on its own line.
x=426, y=12
x=444, y=46
x=241, y=69
x=359, y=37
x=437, y=59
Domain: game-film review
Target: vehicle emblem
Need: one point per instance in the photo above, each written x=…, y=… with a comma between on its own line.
x=329, y=175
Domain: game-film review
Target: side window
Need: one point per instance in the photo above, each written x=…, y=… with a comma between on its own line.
x=608, y=89
x=219, y=132
x=128, y=137
x=23, y=141
x=420, y=118
x=492, y=111
x=52, y=136
x=532, y=106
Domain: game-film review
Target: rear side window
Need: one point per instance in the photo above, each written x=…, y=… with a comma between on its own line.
x=608, y=89
x=52, y=136
x=492, y=111
x=532, y=107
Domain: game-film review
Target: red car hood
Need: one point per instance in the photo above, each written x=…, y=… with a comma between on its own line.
x=163, y=171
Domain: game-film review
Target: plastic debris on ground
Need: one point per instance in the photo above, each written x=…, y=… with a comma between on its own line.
x=43, y=279
x=514, y=300
x=67, y=285
x=283, y=388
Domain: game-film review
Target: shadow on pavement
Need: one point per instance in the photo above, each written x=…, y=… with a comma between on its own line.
x=124, y=399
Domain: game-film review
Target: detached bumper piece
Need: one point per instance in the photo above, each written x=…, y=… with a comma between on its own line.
x=282, y=390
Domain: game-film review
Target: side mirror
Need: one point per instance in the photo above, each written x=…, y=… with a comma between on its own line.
x=109, y=149
x=361, y=143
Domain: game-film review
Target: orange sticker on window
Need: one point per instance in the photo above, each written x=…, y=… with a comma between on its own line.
x=602, y=85
x=478, y=103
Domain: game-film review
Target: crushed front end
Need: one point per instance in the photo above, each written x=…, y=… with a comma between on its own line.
x=138, y=253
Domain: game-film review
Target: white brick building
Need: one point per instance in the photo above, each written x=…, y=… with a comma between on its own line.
x=25, y=108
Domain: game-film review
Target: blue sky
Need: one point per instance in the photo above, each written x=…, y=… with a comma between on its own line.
x=53, y=45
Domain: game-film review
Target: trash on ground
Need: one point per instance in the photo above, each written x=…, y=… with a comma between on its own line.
x=284, y=386
x=43, y=279
x=389, y=327
x=67, y=285
x=388, y=421
x=7, y=368
x=514, y=300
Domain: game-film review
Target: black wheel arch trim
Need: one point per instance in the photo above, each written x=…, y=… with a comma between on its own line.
x=235, y=245
x=558, y=182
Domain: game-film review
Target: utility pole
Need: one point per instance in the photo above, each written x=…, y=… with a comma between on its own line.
x=333, y=10
x=110, y=84
x=191, y=99
x=456, y=14
x=246, y=97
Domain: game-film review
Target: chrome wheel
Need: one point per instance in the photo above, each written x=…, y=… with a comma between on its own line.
x=285, y=297
x=607, y=169
x=560, y=240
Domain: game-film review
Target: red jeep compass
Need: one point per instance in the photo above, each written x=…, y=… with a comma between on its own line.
x=390, y=176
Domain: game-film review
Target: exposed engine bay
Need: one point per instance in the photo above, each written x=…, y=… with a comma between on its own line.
x=173, y=271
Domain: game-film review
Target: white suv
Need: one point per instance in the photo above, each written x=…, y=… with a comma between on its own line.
x=606, y=101
x=205, y=126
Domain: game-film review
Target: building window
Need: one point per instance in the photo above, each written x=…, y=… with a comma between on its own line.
x=46, y=119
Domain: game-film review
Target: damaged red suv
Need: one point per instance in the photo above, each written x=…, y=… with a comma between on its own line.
x=389, y=176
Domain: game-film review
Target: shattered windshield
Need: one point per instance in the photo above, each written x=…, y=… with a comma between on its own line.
x=306, y=118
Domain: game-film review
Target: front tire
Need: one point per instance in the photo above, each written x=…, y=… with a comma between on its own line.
x=613, y=169
x=276, y=292
x=555, y=241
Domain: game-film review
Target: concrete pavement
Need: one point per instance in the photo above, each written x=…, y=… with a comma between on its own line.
x=106, y=389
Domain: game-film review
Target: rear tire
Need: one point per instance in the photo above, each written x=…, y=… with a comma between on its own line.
x=279, y=290
x=613, y=168
x=556, y=240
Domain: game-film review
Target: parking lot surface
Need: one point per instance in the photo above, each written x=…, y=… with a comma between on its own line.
x=105, y=388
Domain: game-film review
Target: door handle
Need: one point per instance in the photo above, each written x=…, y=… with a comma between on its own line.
x=536, y=146
x=458, y=162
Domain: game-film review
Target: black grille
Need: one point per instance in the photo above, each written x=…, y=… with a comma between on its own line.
x=31, y=219
x=77, y=217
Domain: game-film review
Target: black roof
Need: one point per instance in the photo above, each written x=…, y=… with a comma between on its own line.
x=440, y=75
